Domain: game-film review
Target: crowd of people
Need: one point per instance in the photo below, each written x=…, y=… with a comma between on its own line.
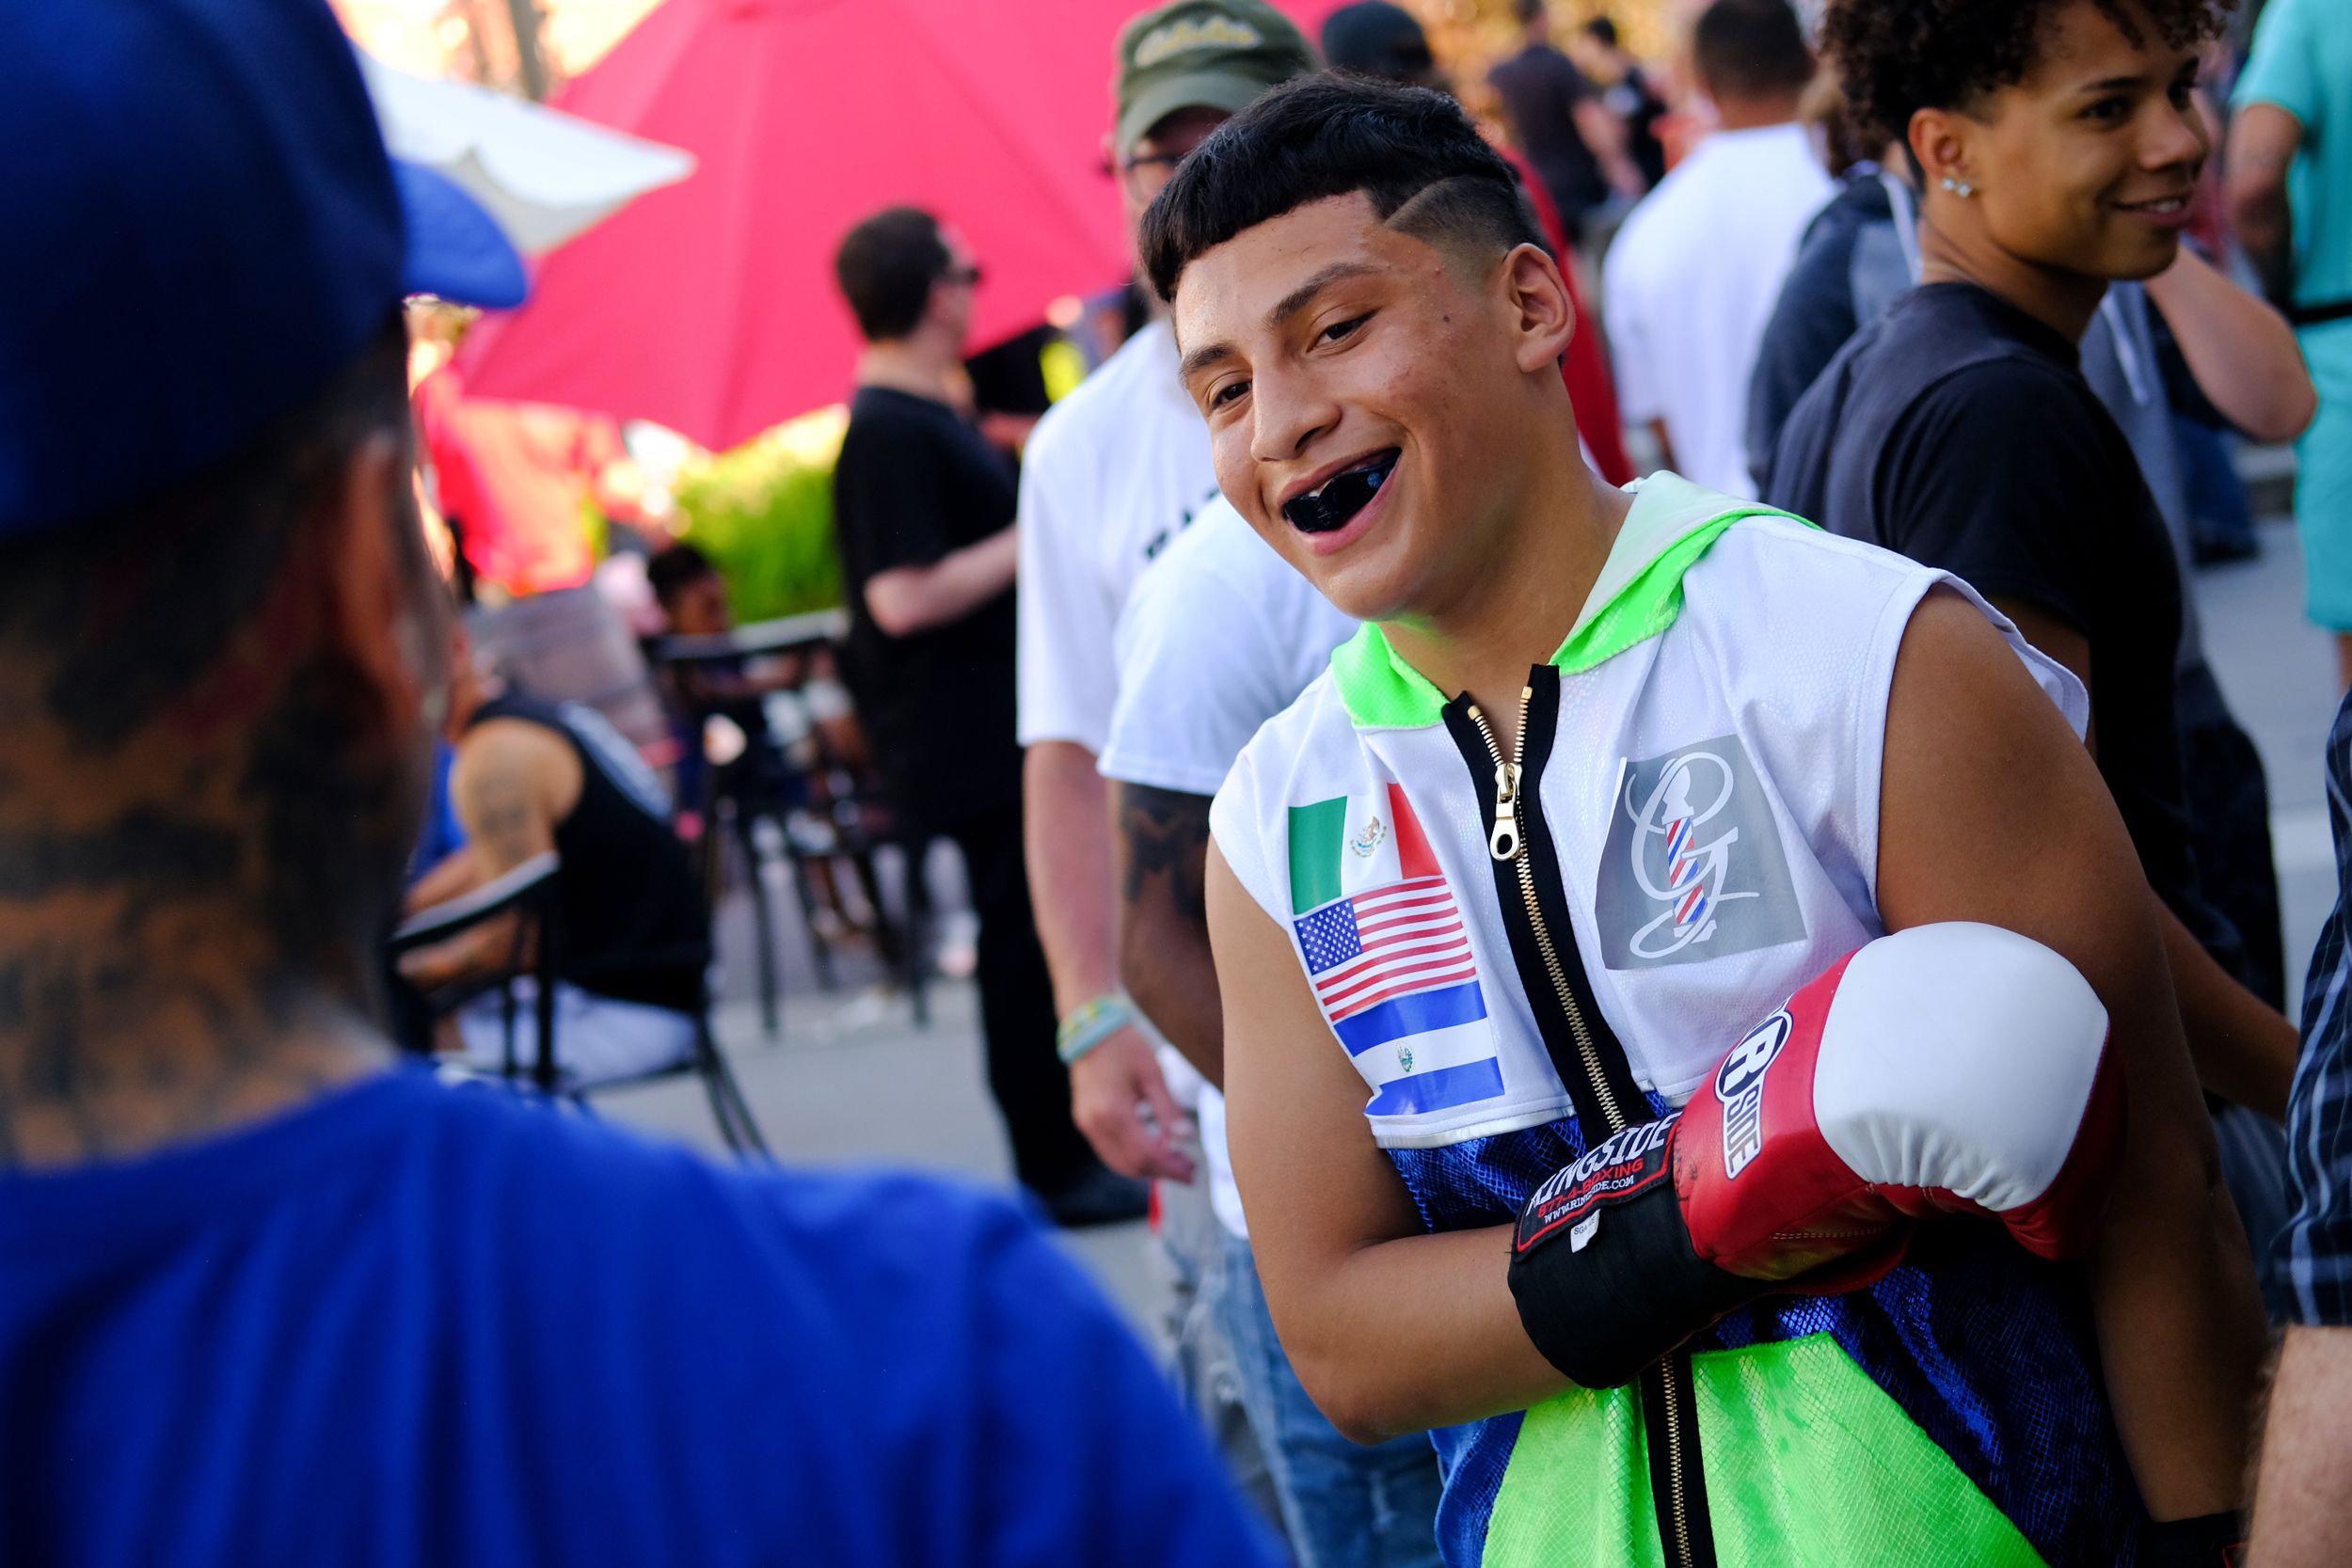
x=1732, y=1015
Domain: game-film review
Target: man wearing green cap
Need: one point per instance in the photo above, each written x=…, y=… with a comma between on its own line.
x=1112, y=474
x=1116, y=470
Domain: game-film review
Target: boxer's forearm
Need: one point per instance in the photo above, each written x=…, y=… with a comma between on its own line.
x=2180, y=1334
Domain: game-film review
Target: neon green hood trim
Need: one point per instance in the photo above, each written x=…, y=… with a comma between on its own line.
x=1637, y=595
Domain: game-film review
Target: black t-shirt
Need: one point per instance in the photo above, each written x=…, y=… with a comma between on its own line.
x=1540, y=88
x=1815, y=314
x=1958, y=430
x=631, y=923
x=915, y=483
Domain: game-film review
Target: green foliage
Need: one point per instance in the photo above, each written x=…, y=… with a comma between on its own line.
x=763, y=512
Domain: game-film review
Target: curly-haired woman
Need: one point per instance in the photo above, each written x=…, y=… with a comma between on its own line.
x=2058, y=145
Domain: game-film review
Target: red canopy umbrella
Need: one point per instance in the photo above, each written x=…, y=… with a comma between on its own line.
x=710, y=306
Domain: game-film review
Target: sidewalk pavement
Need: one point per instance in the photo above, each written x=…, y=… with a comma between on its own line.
x=850, y=1079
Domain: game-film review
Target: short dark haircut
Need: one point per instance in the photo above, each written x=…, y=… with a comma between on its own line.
x=1528, y=10
x=673, y=569
x=1414, y=153
x=1752, y=49
x=1604, y=29
x=1898, y=59
x=886, y=266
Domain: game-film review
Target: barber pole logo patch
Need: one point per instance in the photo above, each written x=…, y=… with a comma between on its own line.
x=1692, y=869
x=1740, y=1089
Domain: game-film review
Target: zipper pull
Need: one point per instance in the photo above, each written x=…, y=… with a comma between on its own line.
x=1503, y=841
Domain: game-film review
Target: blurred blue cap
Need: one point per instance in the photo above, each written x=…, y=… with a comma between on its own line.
x=198, y=229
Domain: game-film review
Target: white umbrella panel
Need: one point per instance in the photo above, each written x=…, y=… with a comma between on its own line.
x=545, y=175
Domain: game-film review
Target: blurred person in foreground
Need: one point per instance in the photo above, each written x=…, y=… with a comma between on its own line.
x=1691, y=277
x=1606, y=778
x=272, y=1300
x=2060, y=143
x=1375, y=37
x=1557, y=120
x=923, y=513
x=2289, y=188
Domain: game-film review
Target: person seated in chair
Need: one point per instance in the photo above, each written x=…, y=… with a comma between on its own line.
x=632, y=930
x=693, y=600
x=823, y=776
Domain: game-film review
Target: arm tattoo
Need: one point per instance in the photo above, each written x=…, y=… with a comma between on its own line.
x=499, y=814
x=1167, y=833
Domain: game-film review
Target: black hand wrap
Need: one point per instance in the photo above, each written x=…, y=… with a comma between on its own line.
x=2208, y=1541
x=1602, y=1266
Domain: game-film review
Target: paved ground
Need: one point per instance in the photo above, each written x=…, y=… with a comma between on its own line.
x=849, y=1079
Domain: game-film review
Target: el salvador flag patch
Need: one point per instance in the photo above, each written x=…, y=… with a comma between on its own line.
x=1390, y=957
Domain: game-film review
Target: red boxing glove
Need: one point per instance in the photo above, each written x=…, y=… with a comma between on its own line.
x=1954, y=1068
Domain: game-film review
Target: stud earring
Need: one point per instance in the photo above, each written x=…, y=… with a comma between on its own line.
x=1960, y=188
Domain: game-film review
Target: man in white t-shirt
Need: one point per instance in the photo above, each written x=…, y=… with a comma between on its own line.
x=1694, y=273
x=1115, y=471
x=1219, y=636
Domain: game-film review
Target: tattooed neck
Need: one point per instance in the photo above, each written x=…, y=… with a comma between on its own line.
x=141, y=1006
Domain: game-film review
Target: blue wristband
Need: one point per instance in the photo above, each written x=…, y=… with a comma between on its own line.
x=1090, y=1026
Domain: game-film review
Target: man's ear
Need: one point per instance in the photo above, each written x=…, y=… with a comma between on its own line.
x=1541, y=318
x=1944, y=141
x=385, y=619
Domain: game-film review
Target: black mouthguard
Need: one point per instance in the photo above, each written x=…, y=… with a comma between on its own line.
x=1341, y=497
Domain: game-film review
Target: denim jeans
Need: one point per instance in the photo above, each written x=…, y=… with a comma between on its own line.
x=1187, y=1244
x=1344, y=1505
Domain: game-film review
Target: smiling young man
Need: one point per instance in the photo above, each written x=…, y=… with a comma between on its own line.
x=1633, y=768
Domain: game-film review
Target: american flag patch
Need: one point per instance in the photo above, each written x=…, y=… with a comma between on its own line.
x=1367, y=949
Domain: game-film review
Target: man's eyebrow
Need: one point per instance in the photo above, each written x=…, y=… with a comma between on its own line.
x=1201, y=358
x=1298, y=298
x=1288, y=306
x=2116, y=83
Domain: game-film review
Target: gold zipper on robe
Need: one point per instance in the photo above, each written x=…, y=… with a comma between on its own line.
x=1506, y=843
